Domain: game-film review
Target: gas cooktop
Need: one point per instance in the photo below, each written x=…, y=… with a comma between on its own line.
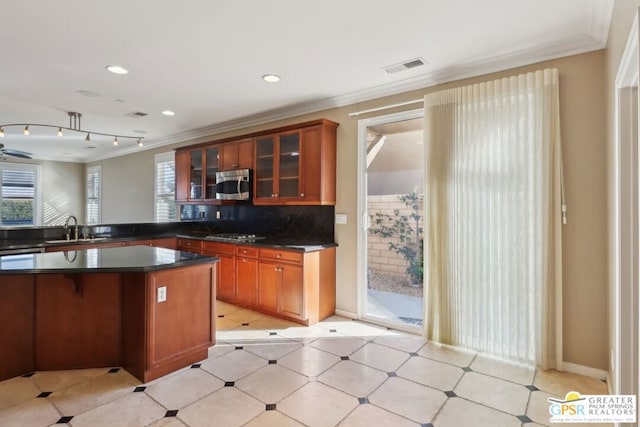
x=234, y=237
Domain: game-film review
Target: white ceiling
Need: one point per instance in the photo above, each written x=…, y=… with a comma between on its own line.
x=204, y=59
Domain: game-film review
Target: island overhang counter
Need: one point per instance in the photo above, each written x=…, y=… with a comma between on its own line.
x=150, y=310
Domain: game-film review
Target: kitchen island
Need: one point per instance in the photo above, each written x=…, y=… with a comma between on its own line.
x=147, y=309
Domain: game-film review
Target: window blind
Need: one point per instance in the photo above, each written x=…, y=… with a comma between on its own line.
x=94, y=194
x=165, y=187
x=18, y=194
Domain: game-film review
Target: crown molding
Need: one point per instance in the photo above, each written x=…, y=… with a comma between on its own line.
x=601, y=13
x=600, y=19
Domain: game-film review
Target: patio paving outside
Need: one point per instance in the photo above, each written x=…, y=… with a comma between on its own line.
x=395, y=307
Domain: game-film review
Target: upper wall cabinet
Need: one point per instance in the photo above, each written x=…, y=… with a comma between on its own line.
x=196, y=174
x=292, y=165
x=236, y=155
x=296, y=166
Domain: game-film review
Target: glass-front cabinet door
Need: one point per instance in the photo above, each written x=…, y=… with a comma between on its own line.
x=289, y=165
x=212, y=156
x=195, y=179
x=265, y=166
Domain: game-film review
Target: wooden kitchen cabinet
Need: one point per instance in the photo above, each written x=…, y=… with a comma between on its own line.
x=70, y=310
x=183, y=168
x=246, y=275
x=292, y=165
x=281, y=288
x=236, y=155
x=319, y=165
x=296, y=166
x=294, y=285
x=190, y=245
x=281, y=273
x=277, y=174
x=298, y=286
x=269, y=279
x=196, y=174
x=17, y=321
x=226, y=270
x=183, y=323
x=96, y=317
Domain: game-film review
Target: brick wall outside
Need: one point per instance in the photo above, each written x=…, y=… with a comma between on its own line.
x=379, y=257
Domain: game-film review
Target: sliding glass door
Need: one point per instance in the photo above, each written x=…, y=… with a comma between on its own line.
x=391, y=228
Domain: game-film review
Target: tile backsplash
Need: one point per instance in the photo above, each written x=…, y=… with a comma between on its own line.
x=288, y=222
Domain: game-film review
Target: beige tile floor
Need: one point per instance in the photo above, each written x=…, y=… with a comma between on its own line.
x=268, y=372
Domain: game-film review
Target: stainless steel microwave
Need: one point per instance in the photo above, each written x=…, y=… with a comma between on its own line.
x=233, y=185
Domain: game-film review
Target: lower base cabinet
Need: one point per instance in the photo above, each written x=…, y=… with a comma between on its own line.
x=92, y=320
x=270, y=279
x=281, y=289
x=293, y=285
x=70, y=311
x=246, y=280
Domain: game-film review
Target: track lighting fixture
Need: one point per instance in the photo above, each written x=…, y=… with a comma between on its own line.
x=74, y=126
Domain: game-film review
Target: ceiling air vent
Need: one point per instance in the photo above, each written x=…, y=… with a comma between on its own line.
x=405, y=65
x=136, y=114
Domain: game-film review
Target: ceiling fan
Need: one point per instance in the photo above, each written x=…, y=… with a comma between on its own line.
x=13, y=153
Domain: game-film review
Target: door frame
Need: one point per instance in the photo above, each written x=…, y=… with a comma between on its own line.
x=363, y=219
x=625, y=199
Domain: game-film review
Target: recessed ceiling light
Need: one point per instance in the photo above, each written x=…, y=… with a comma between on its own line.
x=117, y=69
x=88, y=93
x=168, y=113
x=271, y=78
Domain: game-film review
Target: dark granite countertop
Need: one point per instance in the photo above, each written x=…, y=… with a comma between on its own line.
x=119, y=259
x=271, y=242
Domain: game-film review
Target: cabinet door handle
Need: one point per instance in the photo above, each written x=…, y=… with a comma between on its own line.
x=301, y=194
x=279, y=256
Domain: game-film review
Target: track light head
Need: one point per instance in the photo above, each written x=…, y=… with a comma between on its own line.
x=74, y=128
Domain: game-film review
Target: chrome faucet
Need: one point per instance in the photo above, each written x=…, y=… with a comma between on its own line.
x=67, y=232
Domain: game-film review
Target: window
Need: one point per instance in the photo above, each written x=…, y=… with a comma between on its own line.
x=19, y=194
x=94, y=194
x=165, y=187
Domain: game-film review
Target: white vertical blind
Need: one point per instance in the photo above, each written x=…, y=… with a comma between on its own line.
x=165, y=187
x=94, y=194
x=493, y=212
